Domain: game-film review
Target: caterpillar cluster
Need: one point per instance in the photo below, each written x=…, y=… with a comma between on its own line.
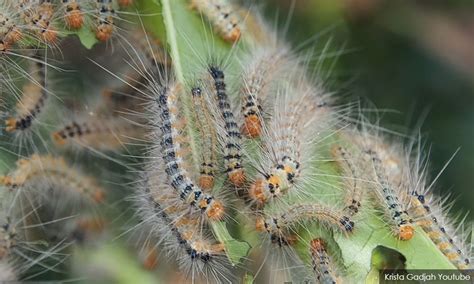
x=251, y=149
x=33, y=22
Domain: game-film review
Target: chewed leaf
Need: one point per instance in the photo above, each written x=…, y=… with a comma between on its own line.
x=87, y=37
x=235, y=249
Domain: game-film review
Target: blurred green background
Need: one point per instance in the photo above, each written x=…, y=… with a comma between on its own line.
x=415, y=58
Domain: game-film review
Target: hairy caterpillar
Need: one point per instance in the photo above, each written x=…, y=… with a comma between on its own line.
x=322, y=262
x=32, y=102
x=428, y=212
x=10, y=32
x=38, y=15
x=73, y=14
x=209, y=140
x=105, y=133
x=262, y=71
x=300, y=117
x=232, y=147
x=385, y=191
x=277, y=224
x=352, y=174
x=195, y=253
x=168, y=131
x=223, y=17
x=105, y=15
x=54, y=170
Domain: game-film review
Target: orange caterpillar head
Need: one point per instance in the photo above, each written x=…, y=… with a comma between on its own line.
x=252, y=126
x=237, y=177
x=317, y=244
x=74, y=17
x=406, y=232
x=49, y=36
x=125, y=3
x=12, y=37
x=256, y=191
x=104, y=32
x=233, y=35
x=215, y=210
x=206, y=182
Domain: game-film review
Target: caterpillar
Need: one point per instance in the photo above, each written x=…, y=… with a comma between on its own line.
x=351, y=176
x=169, y=133
x=277, y=224
x=10, y=33
x=53, y=170
x=300, y=118
x=104, y=20
x=262, y=71
x=73, y=14
x=386, y=194
x=223, y=17
x=38, y=15
x=427, y=211
x=195, y=253
x=209, y=140
x=105, y=133
x=232, y=148
x=33, y=101
x=322, y=262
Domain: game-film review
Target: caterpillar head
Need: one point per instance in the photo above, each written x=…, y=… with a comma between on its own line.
x=215, y=210
x=206, y=182
x=406, y=232
x=237, y=177
x=317, y=244
x=104, y=31
x=252, y=126
x=75, y=17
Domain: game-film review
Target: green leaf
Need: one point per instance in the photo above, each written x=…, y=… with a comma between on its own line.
x=87, y=37
x=235, y=249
